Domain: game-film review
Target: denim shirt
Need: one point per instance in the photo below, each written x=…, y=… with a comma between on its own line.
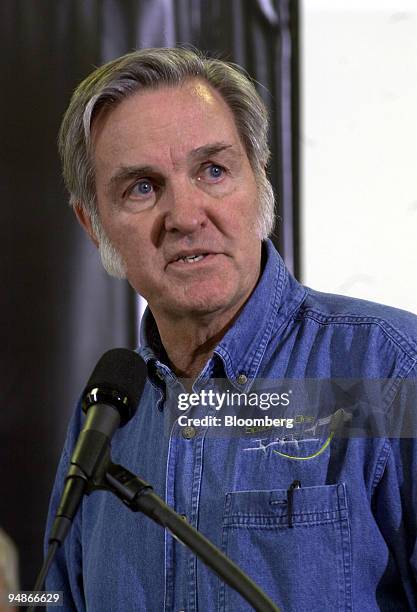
x=348, y=541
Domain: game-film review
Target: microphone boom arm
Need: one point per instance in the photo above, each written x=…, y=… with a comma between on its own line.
x=138, y=495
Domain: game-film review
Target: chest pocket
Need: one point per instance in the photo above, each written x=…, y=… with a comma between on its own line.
x=306, y=567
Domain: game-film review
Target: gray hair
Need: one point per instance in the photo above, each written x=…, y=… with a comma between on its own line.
x=149, y=69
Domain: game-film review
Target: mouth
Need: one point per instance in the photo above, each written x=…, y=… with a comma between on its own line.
x=192, y=259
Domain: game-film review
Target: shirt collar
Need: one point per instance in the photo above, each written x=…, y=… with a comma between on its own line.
x=240, y=351
x=153, y=353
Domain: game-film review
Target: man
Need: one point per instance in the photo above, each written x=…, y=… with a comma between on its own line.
x=164, y=155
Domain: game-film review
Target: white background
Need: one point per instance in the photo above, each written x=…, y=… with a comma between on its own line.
x=359, y=149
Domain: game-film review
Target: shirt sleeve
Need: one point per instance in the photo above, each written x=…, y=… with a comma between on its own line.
x=395, y=501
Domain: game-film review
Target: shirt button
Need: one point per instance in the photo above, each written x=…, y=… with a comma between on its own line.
x=159, y=375
x=188, y=433
x=242, y=379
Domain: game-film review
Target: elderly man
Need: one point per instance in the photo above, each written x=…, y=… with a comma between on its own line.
x=164, y=156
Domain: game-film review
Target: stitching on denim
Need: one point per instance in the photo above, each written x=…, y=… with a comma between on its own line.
x=195, y=501
x=346, y=542
x=257, y=515
x=381, y=464
x=350, y=319
x=395, y=388
x=284, y=524
x=168, y=539
x=224, y=541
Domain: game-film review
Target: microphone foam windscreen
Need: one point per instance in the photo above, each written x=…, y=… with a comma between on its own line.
x=123, y=371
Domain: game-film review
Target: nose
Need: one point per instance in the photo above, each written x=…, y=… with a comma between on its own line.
x=185, y=211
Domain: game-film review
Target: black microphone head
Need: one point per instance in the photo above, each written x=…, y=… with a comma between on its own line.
x=118, y=379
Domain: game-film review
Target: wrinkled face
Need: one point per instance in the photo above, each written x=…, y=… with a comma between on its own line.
x=177, y=198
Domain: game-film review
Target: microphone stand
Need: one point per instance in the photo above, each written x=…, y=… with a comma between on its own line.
x=138, y=495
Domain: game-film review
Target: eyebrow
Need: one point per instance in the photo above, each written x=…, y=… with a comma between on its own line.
x=124, y=173
x=213, y=149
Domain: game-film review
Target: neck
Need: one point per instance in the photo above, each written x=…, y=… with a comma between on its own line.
x=189, y=344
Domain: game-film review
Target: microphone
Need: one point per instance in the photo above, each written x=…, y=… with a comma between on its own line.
x=109, y=400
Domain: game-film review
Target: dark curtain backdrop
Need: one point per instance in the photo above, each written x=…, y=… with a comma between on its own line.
x=59, y=309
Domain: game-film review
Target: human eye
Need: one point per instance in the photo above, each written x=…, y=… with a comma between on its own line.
x=212, y=173
x=141, y=189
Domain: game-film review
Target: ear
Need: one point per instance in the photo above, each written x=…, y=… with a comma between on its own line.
x=85, y=221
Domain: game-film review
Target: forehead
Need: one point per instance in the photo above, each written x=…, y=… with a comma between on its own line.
x=167, y=119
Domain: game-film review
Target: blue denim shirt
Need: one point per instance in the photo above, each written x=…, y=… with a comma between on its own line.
x=349, y=540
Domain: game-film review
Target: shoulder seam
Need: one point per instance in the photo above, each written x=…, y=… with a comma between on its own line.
x=405, y=344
